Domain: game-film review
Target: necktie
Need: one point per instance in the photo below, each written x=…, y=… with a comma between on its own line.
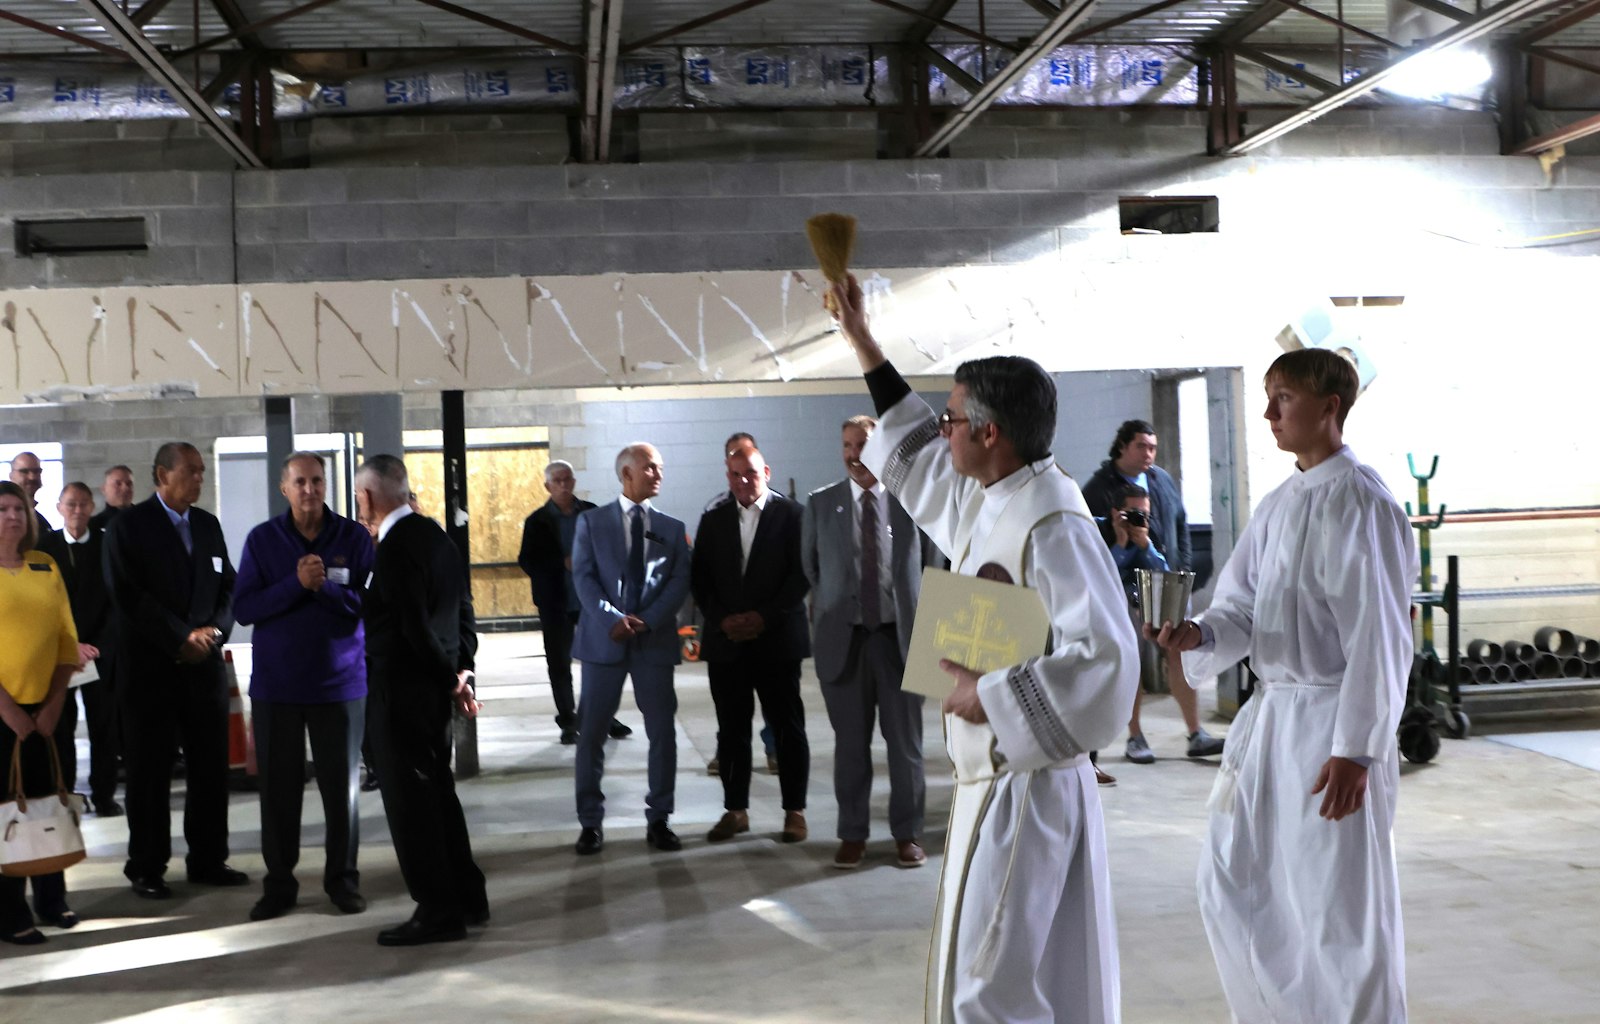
x=185, y=535
x=871, y=612
x=633, y=581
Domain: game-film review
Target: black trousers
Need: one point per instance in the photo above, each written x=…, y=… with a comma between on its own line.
x=280, y=731
x=161, y=707
x=557, y=631
x=49, y=891
x=100, y=712
x=410, y=730
x=736, y=685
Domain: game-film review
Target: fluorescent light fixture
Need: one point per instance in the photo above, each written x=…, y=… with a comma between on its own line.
x=1435, y=76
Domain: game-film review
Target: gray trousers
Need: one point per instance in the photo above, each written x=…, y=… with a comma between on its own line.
x=280, y=732
x=597, y=706
x=870, y=684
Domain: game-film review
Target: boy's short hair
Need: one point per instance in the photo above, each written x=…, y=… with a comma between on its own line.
x=1320, y=372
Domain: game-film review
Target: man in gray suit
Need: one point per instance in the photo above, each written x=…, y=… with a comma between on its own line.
x=864, y=557
x=630, y=567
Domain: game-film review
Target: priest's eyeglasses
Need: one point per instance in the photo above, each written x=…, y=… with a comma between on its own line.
x=947, y=422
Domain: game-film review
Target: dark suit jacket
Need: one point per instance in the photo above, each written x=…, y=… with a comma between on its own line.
x=599, y=563
x=83, y=571
x=101, y=520
x=543, y=560
x=159, y=591
x=829, y=554
x=774, y=583
x=412, y=608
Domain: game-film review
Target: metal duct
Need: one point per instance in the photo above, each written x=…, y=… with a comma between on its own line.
x=1484, y=650
x=1555, y=640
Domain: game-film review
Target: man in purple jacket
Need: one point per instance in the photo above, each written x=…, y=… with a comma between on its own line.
x=299, y=584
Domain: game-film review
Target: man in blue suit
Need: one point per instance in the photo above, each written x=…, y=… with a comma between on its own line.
x=630, y=567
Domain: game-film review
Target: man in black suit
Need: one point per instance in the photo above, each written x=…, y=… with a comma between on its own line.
x=117, y=489
x=171, y=589
x=546, y=557
x=413, y=613
x=79, y=551
x=749, y=581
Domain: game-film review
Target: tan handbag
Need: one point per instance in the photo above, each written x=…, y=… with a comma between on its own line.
x=41, y=837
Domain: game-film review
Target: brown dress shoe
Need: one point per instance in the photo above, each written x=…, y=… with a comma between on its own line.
x=729, y=825
x=851, y=852
x=1104, y=778
x=794, y=827
x=910, y=854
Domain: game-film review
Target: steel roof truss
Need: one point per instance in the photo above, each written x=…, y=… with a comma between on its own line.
x=1560, y=137
x=1062, y=25
x=215, y=41
x=1283, y=67
x=61, y=33
x=693, y=23
x=1581, y=13
x=1466, y=32
x=504, y=26
x=939, y=22
x=142, y=50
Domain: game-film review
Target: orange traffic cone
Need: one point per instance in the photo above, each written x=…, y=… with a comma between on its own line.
x=241, y=751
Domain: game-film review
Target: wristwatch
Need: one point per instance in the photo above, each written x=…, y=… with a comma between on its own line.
x=216, y=634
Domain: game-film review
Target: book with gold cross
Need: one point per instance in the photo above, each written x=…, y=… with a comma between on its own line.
x=982, y=624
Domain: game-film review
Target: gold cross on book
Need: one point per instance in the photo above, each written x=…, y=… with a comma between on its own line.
x=982, y=624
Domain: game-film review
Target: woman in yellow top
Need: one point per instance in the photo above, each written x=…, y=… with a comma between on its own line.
x=38, y=654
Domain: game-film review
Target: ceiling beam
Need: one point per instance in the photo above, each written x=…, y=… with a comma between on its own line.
x=1450, y=11
x=1560, y=137
x=234, y=63
x=608, y=79
x=594, y=31
x=282, y=16
x=960, y=75
x=934, y=13
x=1044, y=7
x=236, y=21
x=1480, y=26
x=1122, y=19
x=1062, y=25
x=148, y=11
x=504, y=26
x=1581, y=13
x=1246, y=26
x=61, y=33
x=122, y=29
x=1560, y=58
x=1312, y=12
x=950, y=26
x=694, y=23
x=1283, y=67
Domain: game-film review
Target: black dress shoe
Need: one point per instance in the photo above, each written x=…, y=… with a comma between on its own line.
x=221, y=875
x=107, y=809
x=369, y=779
x=590, y=841
x=419, y=933
x=349, y=902
x=569, y=737
x=477, y=918
x=269, y=907
x=619, y=731
x=151, y=888
x=660, y=837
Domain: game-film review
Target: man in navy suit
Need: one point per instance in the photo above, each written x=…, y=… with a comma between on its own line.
x=172, y=588
x=630, y=566
x=749, y=581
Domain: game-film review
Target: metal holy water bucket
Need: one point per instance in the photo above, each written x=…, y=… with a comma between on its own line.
x=1163, y=596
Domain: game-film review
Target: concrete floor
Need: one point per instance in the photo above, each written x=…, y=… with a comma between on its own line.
x=1500, y=868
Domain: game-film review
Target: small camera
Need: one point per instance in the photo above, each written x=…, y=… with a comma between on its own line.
x=1135, y=517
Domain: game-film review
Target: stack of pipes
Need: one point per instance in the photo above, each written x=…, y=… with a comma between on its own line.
x=1555, y=653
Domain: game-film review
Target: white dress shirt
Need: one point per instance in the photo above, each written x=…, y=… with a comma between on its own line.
x=749, y=521
x=390, y=519
x=627, y=520
x=885, y=544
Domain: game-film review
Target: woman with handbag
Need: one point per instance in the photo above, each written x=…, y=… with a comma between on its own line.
x=38, y=654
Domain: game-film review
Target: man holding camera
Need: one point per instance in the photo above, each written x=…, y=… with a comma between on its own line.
x=1126, y=528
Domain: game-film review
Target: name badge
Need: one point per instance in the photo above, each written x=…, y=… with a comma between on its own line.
x=369, y=581
x=339, y=576
x=38, y=567
x=216, y=563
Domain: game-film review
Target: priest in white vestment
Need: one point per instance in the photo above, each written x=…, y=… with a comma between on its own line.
x=1298, y=888
x=1024, y=930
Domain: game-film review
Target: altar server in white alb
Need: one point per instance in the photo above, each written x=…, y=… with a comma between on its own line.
x=1297, y=884
x=1024, y=929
